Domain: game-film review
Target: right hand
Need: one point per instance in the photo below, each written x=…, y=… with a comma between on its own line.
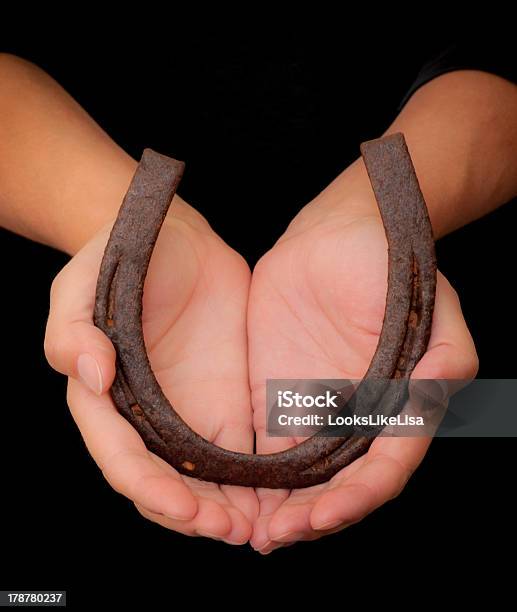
x=195, y=332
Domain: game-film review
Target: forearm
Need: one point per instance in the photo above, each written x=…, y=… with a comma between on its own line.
x=61, y=176
x=461, y=129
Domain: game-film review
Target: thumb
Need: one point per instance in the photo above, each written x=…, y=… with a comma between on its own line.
x=451, y=361
x=73, y=345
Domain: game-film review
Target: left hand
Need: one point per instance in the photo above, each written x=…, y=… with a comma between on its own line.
x=315, y=311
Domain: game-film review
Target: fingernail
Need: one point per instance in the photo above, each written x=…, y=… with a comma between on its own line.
x=290, y=536
x=439, y=390
x=207, y=534
x=90, y=373
x=178, y=518
x=213, y=536
x=268, y=548
x=435, y=390
x=330, y=525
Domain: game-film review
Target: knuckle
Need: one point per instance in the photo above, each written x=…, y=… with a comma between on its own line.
x=401, y=484
x=51, y=345
x=445, y=285
x=466, y=361
x=471, y=363
x=455, y=295
x=113, y=482
x=142, y=511
x=69, y=396
x=57, y=284
x=113, y=478
x=61, y=280
x=54, y=347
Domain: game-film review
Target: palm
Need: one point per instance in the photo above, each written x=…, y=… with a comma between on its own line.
x=195, y=331
x=194, y=320
x=316, y=306
x=316, y=310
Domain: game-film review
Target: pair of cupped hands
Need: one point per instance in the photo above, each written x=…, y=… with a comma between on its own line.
x=214, y=332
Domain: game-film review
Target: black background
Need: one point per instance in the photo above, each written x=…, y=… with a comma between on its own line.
x=264, y=122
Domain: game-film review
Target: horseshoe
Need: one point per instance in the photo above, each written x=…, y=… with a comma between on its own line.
x=403, y=339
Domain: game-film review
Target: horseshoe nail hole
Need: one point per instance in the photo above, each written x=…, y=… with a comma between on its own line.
x=110, y=310
x=137, y=411
x=188, y=465
x=413, y=319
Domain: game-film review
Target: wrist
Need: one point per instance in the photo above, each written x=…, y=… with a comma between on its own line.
x=348, y=198
x=62, y=177
x=97, y=187
x=461, y=131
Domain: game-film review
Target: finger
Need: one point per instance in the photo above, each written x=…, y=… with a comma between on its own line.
x=125, y=462
x=451, y=353
x=73, y=345
x=238, y=435
x=237, y=527
x=211, y=521
x=216, y=518
x=227, y=425
x=306, y=536
x=291, y=521
x=309, y=535
x=390, y=462
x=242, y=528
x=243, y=498
x=449, y=363
x=269, y=501
x=388, y=466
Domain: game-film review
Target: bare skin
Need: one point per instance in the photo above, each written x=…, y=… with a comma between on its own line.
x=309, y=319
x=313, y=308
